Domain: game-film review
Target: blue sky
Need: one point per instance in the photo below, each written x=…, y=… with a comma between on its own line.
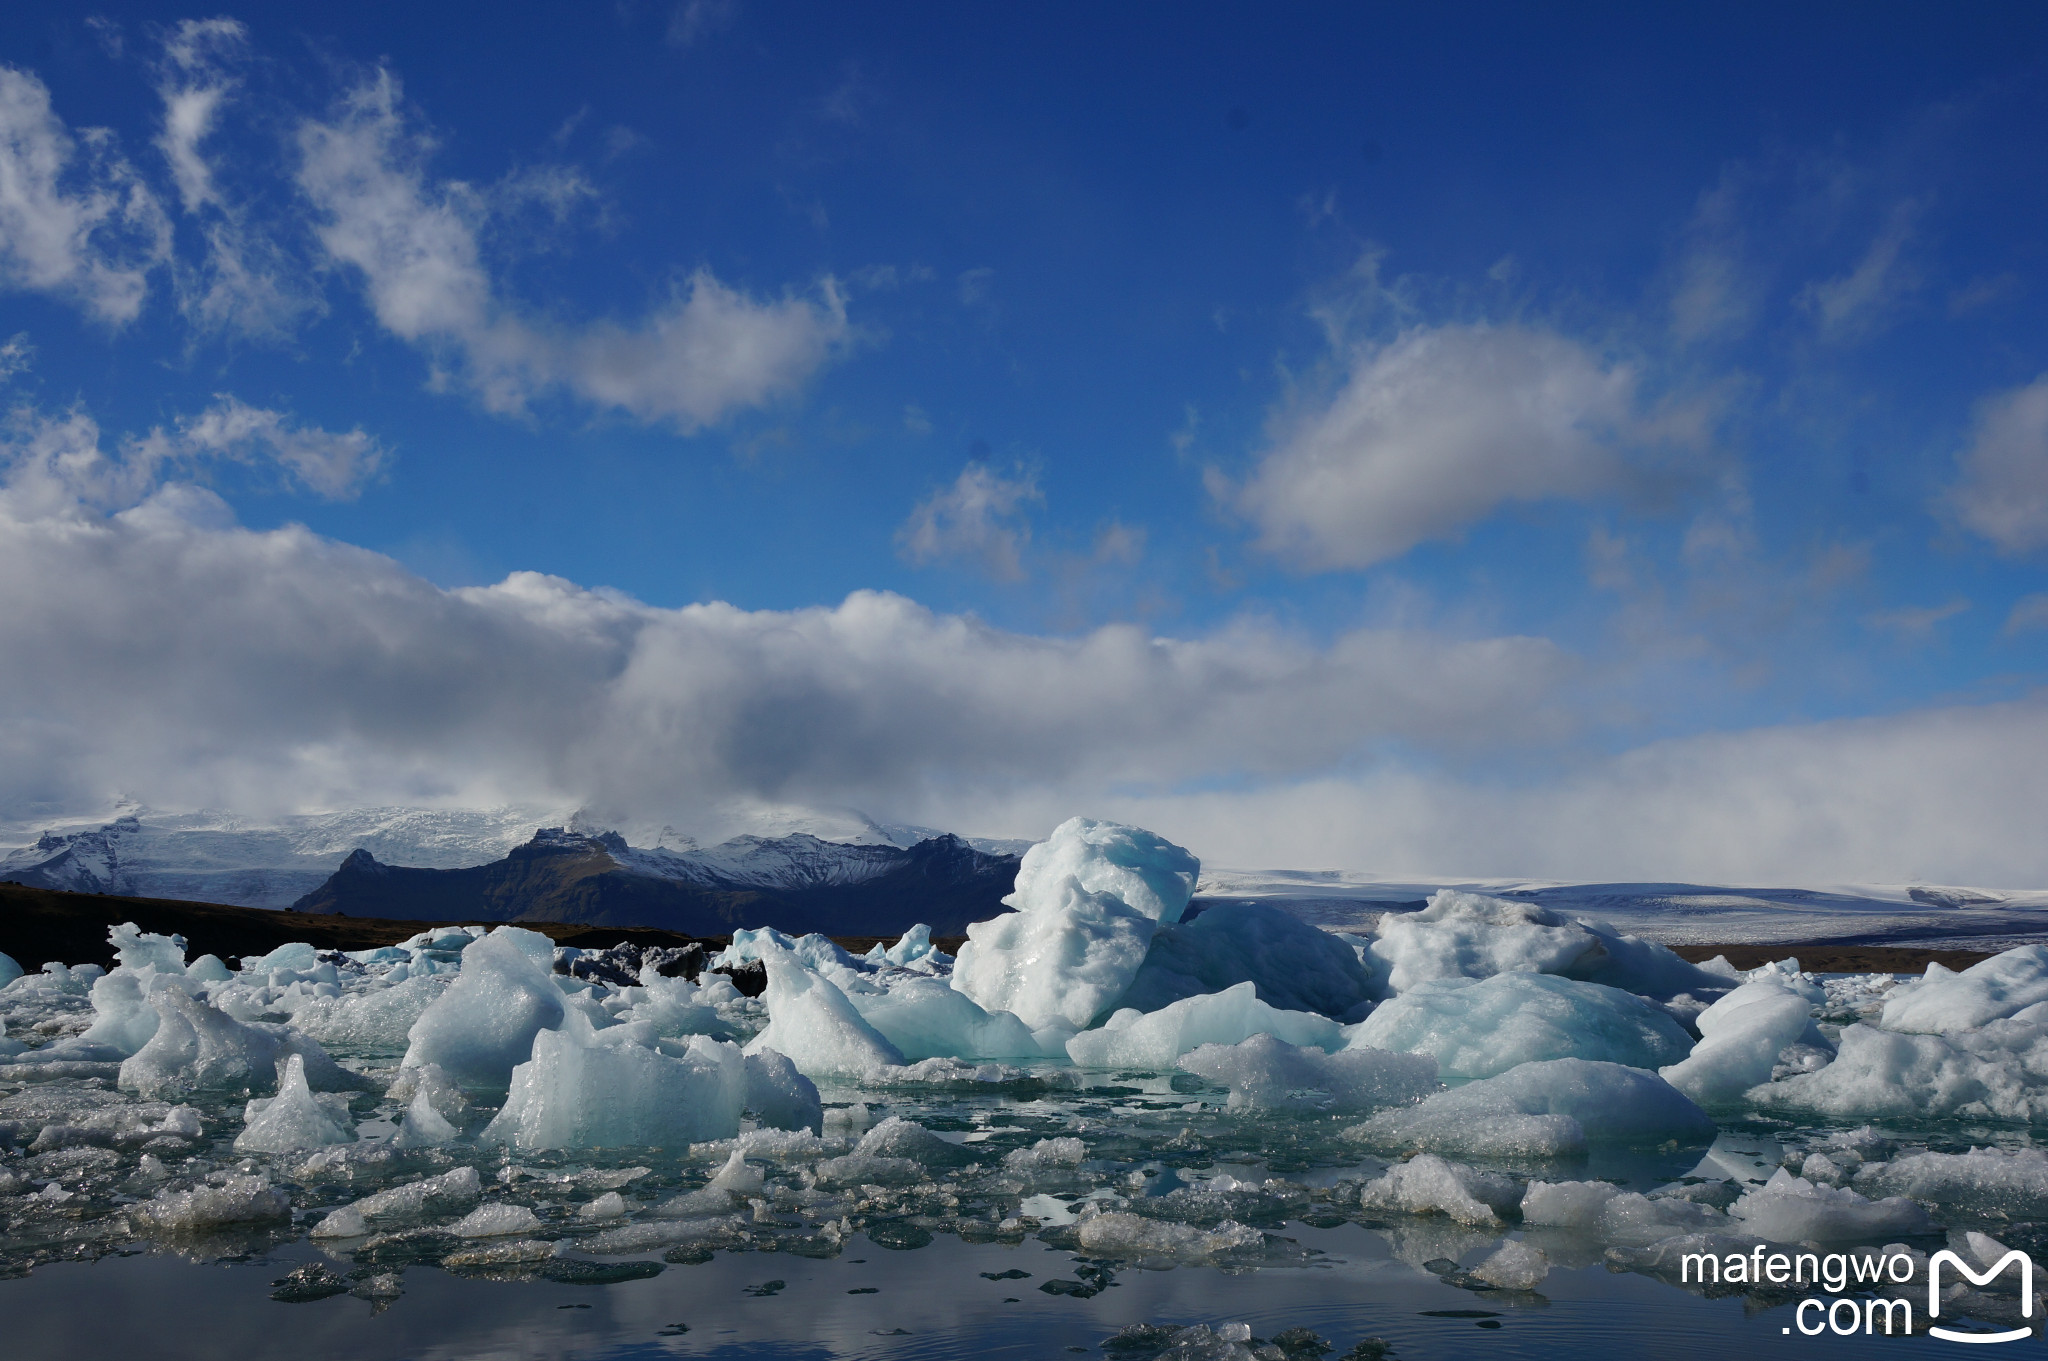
x=1476, y=407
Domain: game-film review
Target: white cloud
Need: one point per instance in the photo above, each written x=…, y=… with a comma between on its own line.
x=2028, y=612
x=83, y=228
x=1940, y=795
x=245, y=284
x=56, y=467
x=978, y=519
x=707, y=352
x=1431, y=433
x=16, y=354
x=695, y=19
x=1856, y=304
x=163, y=651
x=1916, y=621
x=2003, y=492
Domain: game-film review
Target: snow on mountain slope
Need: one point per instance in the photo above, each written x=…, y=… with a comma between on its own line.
x=223, y=857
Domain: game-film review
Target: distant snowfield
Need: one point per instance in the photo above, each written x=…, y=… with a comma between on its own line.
x=224, y=857
x=1930, y=915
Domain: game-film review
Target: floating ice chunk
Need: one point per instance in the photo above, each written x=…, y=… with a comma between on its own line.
x=1065, y=959
x=237, y=1200
x=1514, y=1266
x=1544, y=1110
x=610, y=1205
x=600, y=1089
x=143, y=952
x=485, y=1023
x=736, y=1178
x=812, y=1024
x=9, y=970
x=8, y=1048
x=1427, y=1184
x=295, y=956
x=1056, y=1152
x=1990, y=1180
x=926, y=1018
x=862, y=1169
x=1999, y=1071
x=1988, y=990
x=1741, y=1037
x=1266, y=1071
x=1480, y=1027
x=294, y=1118
x=1131, y=1039
x=1789, y=1209
x=676, y=1007
x=496, y=1221
x=780, y=1096
x=424, y=1125
x=813, y=951
x=449, y=1193
x=1567, y=1204
x=1117, y=1234
x=1633, y=1219
x=55, y=979
x=123, y=1019
x=198, y=1047
x=370, y=1018
x=1296, y=966
x=1468, y=935
x=209, y=969
x=900, y=1138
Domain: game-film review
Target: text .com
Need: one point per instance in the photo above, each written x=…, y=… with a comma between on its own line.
x=1835, y=1273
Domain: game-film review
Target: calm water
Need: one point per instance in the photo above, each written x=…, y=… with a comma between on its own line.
x=930, y=1302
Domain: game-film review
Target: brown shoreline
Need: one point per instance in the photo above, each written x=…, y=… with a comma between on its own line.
x=1824, y=957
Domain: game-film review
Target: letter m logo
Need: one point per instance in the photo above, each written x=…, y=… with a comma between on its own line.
x=1985, y=1277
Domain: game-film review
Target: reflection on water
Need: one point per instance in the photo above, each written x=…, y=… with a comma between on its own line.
x=949, y=1299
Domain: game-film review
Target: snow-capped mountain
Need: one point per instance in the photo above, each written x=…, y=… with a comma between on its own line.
x=224, y=857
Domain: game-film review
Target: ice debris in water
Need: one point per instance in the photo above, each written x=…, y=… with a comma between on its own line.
x=468, y=1047
x=1481, y=1027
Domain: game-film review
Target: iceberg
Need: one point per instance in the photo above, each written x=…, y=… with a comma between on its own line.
x=811, y=1023
x=1789, y=1209
x=1989, y=990
x=1741, y=1037
x=1481, y=1027
x=1296, y=966
x=1088, y=901
x=295, y=1117
x=486, y=1021
x=927, y=1018
x=1550, y=1109
x=586, y=1088
x=1469, y=935
x=1154, y=1040
x=1266, y=1072
x=1428, y=1184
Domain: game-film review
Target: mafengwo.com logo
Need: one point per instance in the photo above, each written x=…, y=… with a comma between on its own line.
x=1844, y=1314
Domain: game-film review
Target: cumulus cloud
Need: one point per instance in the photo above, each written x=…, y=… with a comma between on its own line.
x=75, y=220
x=2003, y=492
x=2028, y=612
x=244, y=284
x=977, y=520
x=164, y=650
x=57, y=468
x=1431, y=433
x=708, y=351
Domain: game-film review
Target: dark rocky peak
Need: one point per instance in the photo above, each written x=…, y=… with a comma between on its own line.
x=360, y=861
x=562, y=841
